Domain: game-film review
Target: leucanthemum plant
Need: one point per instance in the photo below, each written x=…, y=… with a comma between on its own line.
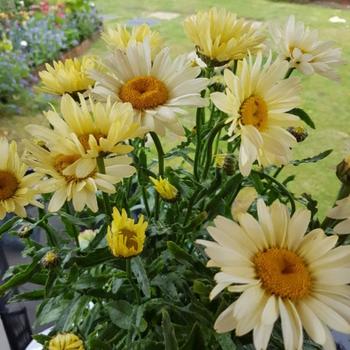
x=185, y=241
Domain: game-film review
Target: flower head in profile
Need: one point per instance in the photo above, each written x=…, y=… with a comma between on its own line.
x=85, y=237
x=125, y=237
x=69, y=76
x=281, y=273
x=220, y=36
x=121, y=37
x=70, y=178
x=341, y=212
x=16, y=188
x=301, y=47
x=166, y=190
x=157, y=90
x=257, y=100
x=95, y=128
x=244, y=199
x=66, y=341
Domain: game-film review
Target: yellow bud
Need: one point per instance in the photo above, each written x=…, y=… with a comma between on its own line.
x=50, y=259
x=66, y=341
x=126, y=238
x=165, y=189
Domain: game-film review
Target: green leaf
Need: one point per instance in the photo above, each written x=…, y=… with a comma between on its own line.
x=41, y=338
x=170, y=341
x=141, y=275
x=195, y=339
x=313, y=159
x=94, y=258
x=303, y=116
x=225, y=341
x=33, y=295
x=180, y=254
x=8, y=225
x=20, y=277
x=94, y=343
x=120, y=312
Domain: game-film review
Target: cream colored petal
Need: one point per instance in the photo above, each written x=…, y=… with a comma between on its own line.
x=280, y=220
x=253, y=230
x=297, y=227
x=225, y=321
x=270, y=313
x=262, y=335
x=327, y=315
x=57, y=200
x=311, y=323
x=343, y=227
x=291, y=326
x=335, y=276
x=265, y=221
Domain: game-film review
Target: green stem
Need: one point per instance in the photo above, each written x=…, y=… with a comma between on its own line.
x=129, y=275
x=106, y=203
x=50, y=232
x=145, y=200
x=199, y=118
x=209, y=147
x=277, y=172
x=160, y=152
x=281, y=187
x=234, y=67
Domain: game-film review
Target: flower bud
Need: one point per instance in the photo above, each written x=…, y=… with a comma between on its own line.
x=230, y=165
x=343, y=171
x=126, y=238
x=66, y=341
x=299, y=133
x=25, y=231
x=166, y=190
x=50, y=259
x=85, y=237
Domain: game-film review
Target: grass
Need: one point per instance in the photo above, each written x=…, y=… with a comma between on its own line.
x=326, y=101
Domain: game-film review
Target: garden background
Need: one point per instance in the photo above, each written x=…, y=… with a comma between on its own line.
x=327, y=101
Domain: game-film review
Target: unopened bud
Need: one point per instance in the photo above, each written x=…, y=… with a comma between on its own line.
x=299, y=133
x=230, y=165
x=25, y=231
x=50, y=259
x=343, y=171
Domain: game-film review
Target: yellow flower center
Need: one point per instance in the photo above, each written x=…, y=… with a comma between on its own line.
x=84, y=139
x=254, y=112
x=283, y=273
x=63, y=161
x=8, y=184
x=130, y=238
x=144, y=92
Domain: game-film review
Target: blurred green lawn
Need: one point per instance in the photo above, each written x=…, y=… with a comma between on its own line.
x=326, y=101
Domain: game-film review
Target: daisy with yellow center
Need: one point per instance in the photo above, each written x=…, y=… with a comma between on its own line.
x=69, y=178
x=16, y=188
x=69, y=76
x=157, y=90
x=282, y=273
x=66, y=341
x=220, y=36
x=125, y=237
x=300, y=46
x=121, y=37
x=95, y=128
x=341, y=212
x=257, y=100
x=165, y=189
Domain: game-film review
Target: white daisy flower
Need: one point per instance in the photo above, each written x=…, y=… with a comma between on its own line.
x=257, y=100
x=158, y=90
x=300, y=46
x=282, y=273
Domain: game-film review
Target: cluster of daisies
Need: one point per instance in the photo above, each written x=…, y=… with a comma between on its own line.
x=281, y=271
